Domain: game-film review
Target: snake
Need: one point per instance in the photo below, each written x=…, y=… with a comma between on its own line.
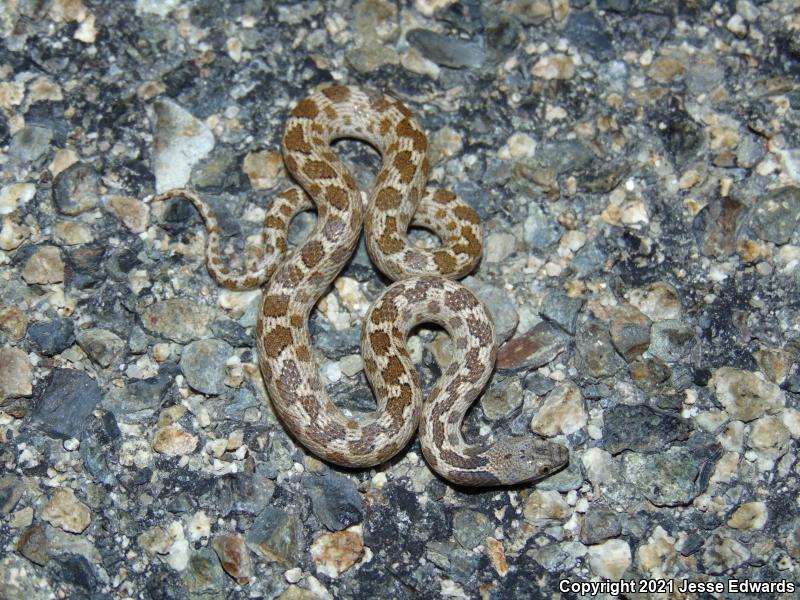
x=425, y=290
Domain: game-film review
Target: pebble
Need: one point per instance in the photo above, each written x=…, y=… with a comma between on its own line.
x=562, y=411
x=445, y=50
x=610, y=559
x=64, y=510
x=671, y=340
x=203, y=577
x=133, y=213
x=44, y=266
x=499, y=246
x=71, y=233
x=173, y=440
x=501, y=399
x=63, y=402
x=75, y=189
x=554, y=66
x=630, y=331
x=519, y=146
x=203, y=364
x=562, y=310
x=11, y=490
x=30, y=143
x=335, y=501
x=178, y=319
x=641, y=429
x=334, y=553
x=588, y=33
x=13, y=322
x=235, y=557
x=32, y=544
x=775, y=217
x=263, y=169
x=14, y=196
x=723, y=554
x=53, y=337
x=375, y=20
x=536, y=348
x=746, y=395
x=599, y=525
x=543, y=506
x=770, y=437
x=595, y=352
x=276, y=536
x=16, y=374
x=667, y=478
x=101, y=345
x=659, y=301
x=471, y=528
x=530, y=12
x=540, y=229
x=749, y=516
x=181, y=141
x=351, y=365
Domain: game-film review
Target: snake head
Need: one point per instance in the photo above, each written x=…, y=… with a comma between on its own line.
x=525, y=459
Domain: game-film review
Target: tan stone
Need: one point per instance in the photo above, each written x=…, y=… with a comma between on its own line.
x=752, y=515
x=263, y=169
x=334, y=553
x=562, y=412
x=64, y=510
x=554, y=66
x=44, y=266
x=172, y=440
x=610, y=559
x=546, y=505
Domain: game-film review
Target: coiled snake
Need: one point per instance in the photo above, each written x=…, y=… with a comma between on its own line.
x=424, y=292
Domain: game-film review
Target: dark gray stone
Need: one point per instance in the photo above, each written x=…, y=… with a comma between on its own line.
x=641, y=428
x=562, y=310
x=335, y=501
x=585, y=31
x=540, y=229
x=598, y=525
x=53, y=337
x=63, y=402
x=251, y=492
x=204, y=578
x=589, y=259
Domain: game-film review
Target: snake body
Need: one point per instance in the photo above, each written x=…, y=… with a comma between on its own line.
x=423, y=293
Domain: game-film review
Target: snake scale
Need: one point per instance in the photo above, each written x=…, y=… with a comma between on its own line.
x=424, y=292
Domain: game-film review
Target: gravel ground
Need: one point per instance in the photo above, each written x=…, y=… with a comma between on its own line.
x=637, y=166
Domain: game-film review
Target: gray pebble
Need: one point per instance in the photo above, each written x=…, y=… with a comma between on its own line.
x=276, y=536
x=203, y=577
x=502, y=399
x=599, y=524
x=642, y=429
x=671, y=340
x=32, y=545
x=562, y=310
x=335, y=501
x=101, y=345
x=595, y=352
x=666, y=478
x=774, y=218
x=178, y=319
x=11, y=490
x=63, y=402
x=138, y=400
x=445, y=50
x=30, y=143
x=203, y=365
x=75, y=189
x=53, y=337
x=540, y=229
x=471, y=528
x=568, y=478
